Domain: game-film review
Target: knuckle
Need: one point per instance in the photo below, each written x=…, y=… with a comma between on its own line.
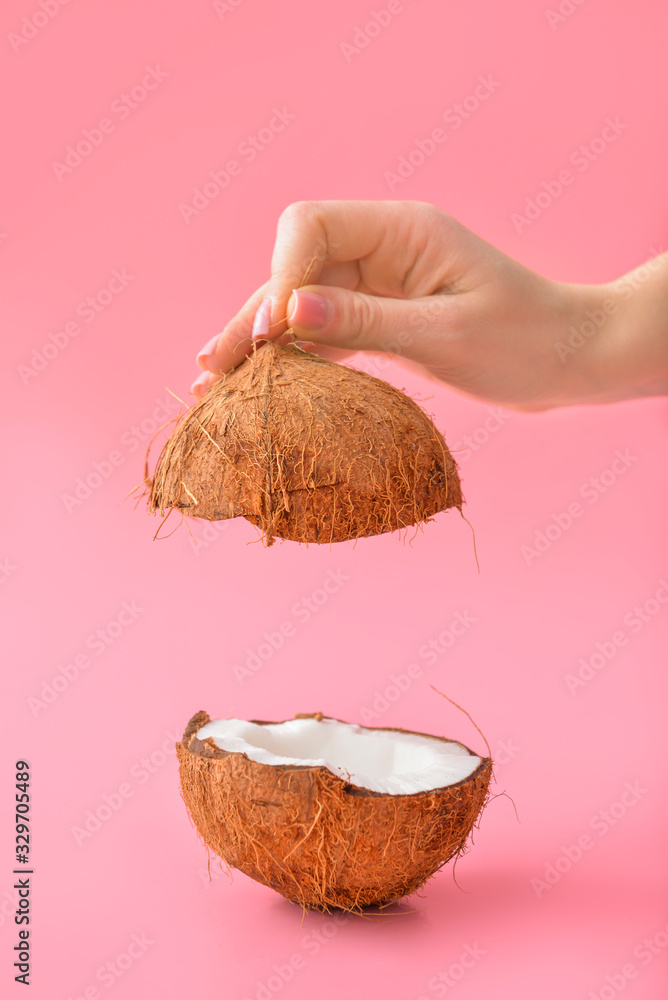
x=298, y=211
x=435, y=216
x=421, y=209
x=299, y=225
x=363, y=318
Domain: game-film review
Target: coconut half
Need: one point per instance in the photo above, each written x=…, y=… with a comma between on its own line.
x=306, y=450
x=330, y=815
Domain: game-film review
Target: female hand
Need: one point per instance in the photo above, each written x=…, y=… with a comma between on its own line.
x=404, y=278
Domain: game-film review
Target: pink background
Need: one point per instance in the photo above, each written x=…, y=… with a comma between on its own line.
x=566, y=758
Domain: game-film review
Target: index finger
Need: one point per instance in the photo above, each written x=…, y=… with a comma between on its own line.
x=311, y=234
x=314, y=240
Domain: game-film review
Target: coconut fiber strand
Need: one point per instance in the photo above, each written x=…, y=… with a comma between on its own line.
x=315, y=838
x=306, y=450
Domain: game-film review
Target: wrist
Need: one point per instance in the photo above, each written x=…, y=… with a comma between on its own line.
x=639, y=334
x=613, y=343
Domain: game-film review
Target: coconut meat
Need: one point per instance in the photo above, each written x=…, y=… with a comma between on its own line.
x=390, y=762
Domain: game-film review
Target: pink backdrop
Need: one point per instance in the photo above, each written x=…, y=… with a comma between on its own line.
x=114, y=273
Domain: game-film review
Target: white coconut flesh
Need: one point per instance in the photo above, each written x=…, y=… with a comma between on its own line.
x=389, y=762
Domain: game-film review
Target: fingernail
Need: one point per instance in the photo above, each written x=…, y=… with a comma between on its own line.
x=308, y=310
x=201, y=384
x=262, y=320
x=206, y=352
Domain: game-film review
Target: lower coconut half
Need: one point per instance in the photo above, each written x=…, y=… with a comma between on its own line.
x=329, y=814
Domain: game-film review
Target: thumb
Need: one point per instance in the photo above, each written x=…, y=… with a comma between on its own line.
x=352, y=321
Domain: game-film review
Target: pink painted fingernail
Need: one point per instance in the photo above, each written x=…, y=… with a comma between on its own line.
x=206, y=352
x=201, y=384
x=308, y=310
x=262, y=321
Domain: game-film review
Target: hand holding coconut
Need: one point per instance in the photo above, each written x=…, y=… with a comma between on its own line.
x=405, y=278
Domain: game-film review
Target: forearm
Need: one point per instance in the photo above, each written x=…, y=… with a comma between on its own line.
x=618, y=347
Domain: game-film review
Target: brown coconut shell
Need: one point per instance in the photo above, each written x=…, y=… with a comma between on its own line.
x=306, y=450
x=316, y=839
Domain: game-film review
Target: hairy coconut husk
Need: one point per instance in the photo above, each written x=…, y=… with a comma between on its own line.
x=313, y=837
x=306, y=450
